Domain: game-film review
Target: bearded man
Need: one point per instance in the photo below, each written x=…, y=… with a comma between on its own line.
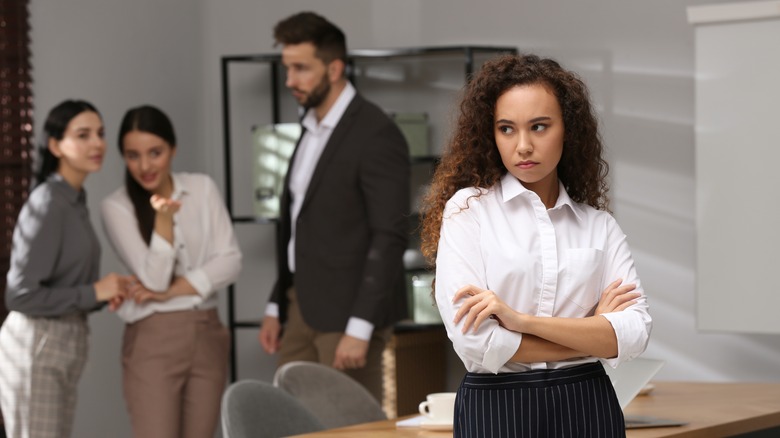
x=343, y=215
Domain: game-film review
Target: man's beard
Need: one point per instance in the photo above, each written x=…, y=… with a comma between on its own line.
x=318, y=94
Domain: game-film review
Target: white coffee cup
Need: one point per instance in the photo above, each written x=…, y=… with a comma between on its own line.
x=439, y=407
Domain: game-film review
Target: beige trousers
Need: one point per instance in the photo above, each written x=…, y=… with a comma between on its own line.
x=174, y=372
x=301, y=342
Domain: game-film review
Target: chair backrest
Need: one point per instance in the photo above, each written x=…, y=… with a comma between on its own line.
x=333, y=397
x=252, y=408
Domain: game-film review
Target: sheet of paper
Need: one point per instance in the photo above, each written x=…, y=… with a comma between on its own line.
x=410, y=422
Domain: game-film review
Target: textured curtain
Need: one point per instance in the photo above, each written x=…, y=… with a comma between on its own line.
x=16, y=107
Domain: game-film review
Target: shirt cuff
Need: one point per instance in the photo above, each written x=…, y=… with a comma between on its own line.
x=272, y=310
x=503, y=344
x=200, y=282
x=630, y=333
x=159, y=245
x=359, y=328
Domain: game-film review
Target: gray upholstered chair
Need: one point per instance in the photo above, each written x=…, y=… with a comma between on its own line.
x=333, y=397
x=251, y=408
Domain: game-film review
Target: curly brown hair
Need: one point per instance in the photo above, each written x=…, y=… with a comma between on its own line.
x=471, y=159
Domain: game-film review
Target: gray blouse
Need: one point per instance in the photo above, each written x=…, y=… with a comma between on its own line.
x=55, y=257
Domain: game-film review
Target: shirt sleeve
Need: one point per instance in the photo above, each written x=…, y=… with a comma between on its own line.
x=272, y=310
x=359, y=328
x=633, y=325
x=459, y=263
x=37, y=245
x=152, y=264
x=223, y=262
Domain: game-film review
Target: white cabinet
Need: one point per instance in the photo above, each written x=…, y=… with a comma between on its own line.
x=737, y=160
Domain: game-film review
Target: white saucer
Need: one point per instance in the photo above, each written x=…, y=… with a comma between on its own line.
x=429, y=424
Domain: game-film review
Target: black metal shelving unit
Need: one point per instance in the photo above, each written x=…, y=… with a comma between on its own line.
x=466, y=52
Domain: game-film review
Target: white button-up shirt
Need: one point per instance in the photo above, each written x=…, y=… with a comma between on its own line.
x=204, y=248
x=540, y=262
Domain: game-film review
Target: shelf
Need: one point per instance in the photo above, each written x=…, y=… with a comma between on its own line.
x=423, y=51
x=413, y=271
x=254, y=220
x=427, y=159
x=360, y=54
x=464, y=55
x=404, y=326
x=247, y=324
x=407, y=326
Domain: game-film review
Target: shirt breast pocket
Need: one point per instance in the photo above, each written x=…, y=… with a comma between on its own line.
x=583, y=274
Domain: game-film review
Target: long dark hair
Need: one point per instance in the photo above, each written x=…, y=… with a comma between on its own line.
x=54, y=128
x=149, y=119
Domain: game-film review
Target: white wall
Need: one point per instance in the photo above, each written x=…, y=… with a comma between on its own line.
x=636, y=56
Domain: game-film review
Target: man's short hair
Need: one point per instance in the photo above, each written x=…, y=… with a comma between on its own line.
x=308, y=27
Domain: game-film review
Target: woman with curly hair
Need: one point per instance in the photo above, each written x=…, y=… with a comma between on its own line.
x=534, y=279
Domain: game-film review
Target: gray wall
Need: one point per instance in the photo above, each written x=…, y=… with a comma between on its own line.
x=636, y=56
x=117, y=54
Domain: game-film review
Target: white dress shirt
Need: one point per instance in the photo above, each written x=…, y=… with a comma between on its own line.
x=204, y=249
x=540, y=262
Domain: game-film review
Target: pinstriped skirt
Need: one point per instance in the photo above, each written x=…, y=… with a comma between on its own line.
x=571, y=402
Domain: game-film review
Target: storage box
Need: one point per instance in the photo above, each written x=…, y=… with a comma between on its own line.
x=414, y=126
x=414, y=365
x=422, y=308
x=273, y=147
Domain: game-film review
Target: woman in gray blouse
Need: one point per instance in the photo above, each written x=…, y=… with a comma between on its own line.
x=53, y=281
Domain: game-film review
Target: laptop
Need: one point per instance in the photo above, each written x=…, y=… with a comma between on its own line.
x=629, y=378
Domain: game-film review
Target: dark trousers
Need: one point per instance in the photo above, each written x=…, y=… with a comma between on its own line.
x=572, y=402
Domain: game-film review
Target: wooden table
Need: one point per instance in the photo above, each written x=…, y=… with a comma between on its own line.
x=711, y=410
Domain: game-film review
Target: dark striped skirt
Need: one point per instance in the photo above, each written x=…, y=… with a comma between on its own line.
x=571, y=402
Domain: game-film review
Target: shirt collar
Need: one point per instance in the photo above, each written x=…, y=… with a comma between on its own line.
x=71, y=195
x=334, y=114
x=512, y=188
x=179, y=189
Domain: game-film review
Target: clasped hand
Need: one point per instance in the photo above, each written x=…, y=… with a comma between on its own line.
x=482, y=304
x=179, y=287
x=133, y=289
